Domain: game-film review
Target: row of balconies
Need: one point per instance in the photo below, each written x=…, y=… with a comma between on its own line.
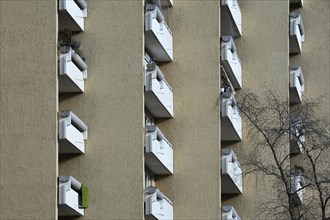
x=158, y=96
x=72, y=71
x=231, y=121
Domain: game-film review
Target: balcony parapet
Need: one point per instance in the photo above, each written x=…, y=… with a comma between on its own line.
x=71, y=14
x=158, y=93
x=297, y=135
x=297, y=32
x=72, y=71
x=231, y=173
x=158, y=36
x=157, y=205
x=72, y=133
x=231, y=18
x=72, y=197
x=231, y=62
x=297, y=184
x=231, y=121
x=158, y=152
x=297, y=84
x=229, y=213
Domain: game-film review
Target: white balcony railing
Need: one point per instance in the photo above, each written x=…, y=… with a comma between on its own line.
x=231, y=18
x=297, y=84
x=231, y=62
x=158, y=152
x=297, y=32
x=231, y=121
x=71, y=14
x=72, y=197
x=158, y=93
x=157, y=206
x=229, y=213
x=72, y=71
x=72, y=133
x=158, y=36
x=231, y=173
x=297, y=184
x=299, y=3
x=297, y=137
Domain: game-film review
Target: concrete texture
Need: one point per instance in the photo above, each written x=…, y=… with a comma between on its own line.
x=263, y=50
x=195, y=129
x=28, y=111
x=113, y=108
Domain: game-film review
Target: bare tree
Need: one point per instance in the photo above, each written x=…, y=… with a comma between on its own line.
x=271, y=125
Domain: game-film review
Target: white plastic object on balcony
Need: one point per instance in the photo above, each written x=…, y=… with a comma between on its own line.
x=71, y=14
x=231, y=121
x=231, y=62
x=297, y=32
x=299, y=3
x=158, y=93
x=229, y=213
x=231, y=18
x=297, y=84
x=158, y=152
x=69, y=203
x=297, y=184
x=72, y=71
x=158, y=36
x=231, y=173
x=72, y=133
x=297, y=137
x=157, y=205
x=163, y=3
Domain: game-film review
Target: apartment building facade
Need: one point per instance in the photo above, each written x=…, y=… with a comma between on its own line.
x=139, y=120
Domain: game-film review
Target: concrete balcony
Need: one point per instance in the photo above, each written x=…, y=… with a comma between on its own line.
x=297, y=33
x=297, y=3
x=231, y=121
x=229, y=213
x=158, y=36
x=158, y=93
x=158, y=152
x=72, y=71
x=297, y=137
x=72, y=133
x=231, y=62
x=297, y=184
x=157, y=206
x=72, y=197
x=231, y=173
x=71, y=14
x=297, y=83
x=231, y=18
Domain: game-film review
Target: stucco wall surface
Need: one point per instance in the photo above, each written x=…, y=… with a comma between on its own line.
x=28, y=109
x=112, y=107
x=194, y=131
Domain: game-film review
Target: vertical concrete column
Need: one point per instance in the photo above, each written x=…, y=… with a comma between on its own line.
x=195, y=129
x=113, y=108
x=28, y=109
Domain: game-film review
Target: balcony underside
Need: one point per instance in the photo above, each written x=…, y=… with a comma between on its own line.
x=66, y=21
x=294, y=147
x=295, y=45
x=294, y=96
x=228, y=24
x=155, y=49
x=67, y=147
x=228, y=186
x=69, y=85
x=228, y=132
x=155, y=107
x=155, y=165
x=65, y=210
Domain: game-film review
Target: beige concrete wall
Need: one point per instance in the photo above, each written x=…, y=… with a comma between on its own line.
x=112, y=107
x=28, y=109
x=263, y=50
x=194, y=130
